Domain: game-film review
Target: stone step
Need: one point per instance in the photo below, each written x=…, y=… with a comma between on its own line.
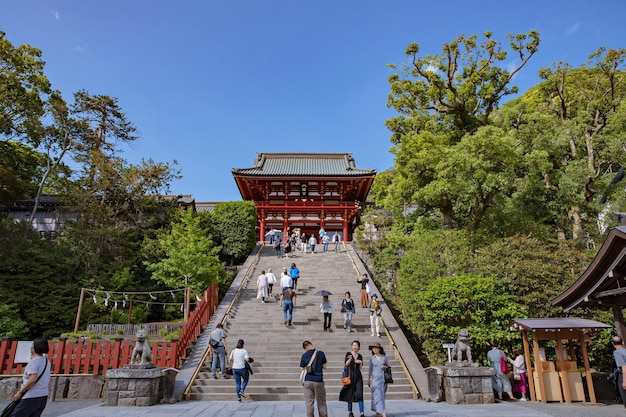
x=277, y=348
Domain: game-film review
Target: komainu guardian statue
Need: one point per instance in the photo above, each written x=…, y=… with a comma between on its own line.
x=142, y=353
x=462, y=348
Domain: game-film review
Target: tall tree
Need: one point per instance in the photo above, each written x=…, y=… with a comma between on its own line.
x=445, y=105
x=570, y=129
x=189, y=256
x=23, y=91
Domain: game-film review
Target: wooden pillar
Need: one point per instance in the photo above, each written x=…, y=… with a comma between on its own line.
x=618, y=318
x=563, y=372
x=583, y=348
x=80, y=307
x=538, y=370
x=262, y=231
x=345, y=231
x=529, y=366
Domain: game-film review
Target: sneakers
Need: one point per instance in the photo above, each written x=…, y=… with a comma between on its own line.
x=214, y=376
x=350, y=414
x=372, y=335
x=243, y=394
x=523, y=399
x=224, y=377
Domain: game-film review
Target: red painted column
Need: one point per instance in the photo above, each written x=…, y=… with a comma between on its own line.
x=345, y=231
x=262, y=237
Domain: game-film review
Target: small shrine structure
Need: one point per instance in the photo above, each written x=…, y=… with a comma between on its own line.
x=306, y=191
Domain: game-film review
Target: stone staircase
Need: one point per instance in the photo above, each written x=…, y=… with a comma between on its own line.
x=276, y=349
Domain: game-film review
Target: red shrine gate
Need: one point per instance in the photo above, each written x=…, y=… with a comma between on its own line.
x=306, y=191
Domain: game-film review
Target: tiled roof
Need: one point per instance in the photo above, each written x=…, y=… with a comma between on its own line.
x=325, y=164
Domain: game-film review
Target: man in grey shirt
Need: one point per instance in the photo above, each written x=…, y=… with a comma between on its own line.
x=218, y=344
x=620, y=361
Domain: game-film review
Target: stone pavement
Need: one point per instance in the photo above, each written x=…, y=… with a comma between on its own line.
x=397, y=408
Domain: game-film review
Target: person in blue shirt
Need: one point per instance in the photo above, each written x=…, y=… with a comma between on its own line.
x=294, y=273
x=314, y=389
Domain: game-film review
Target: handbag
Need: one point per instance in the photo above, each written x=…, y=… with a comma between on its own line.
x=388, y=376
x=504, y=368
x=8, y=410
x=345, y=376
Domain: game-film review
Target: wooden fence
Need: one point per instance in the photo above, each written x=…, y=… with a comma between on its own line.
x=88, y=357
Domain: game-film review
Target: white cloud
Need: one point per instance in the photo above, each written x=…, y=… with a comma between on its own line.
x=432, y=68
x=80, y=49
x=56, y=14
x=573, y=29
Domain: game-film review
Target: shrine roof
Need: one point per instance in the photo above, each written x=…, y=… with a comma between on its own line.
x=304, y=164
x=557, y=323
x=603, y=283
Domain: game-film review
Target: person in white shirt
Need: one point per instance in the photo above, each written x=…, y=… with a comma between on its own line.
x=271, y=280
x=285, y=279
x=238, y=358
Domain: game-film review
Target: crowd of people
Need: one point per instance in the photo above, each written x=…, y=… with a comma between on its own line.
x=300, y=241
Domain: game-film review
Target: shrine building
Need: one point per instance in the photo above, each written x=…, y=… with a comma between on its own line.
x=306, y=191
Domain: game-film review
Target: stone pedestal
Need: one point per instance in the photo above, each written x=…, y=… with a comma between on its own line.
x=467, y=384
x=134, y=387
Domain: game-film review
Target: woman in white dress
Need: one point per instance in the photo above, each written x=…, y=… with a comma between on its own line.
x=262, y=287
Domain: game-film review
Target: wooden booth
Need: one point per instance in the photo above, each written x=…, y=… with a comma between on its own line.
x=305, y=191
x=556, y=377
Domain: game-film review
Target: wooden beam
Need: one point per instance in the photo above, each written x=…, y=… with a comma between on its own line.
x=583, y=348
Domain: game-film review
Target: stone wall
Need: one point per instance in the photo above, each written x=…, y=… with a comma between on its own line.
x=75, y=387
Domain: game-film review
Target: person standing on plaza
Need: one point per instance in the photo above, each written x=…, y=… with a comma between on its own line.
x=326, y=308
x=314, y=389
x=353, y=393
x=619, y=354
x=285, y=279
x=271, y=280
x=288, y=302
x=347, y=308
x=238, y=358
x=520, y=379
x=32, y=396
x=322, y=232
x=376, y=379
x=294, y=273
x=217, y=340
x=336, y=241
x=312, y=243
x=364, y=281
x=325, y=242
x=375, y=310
x=501, y=382
x=261, y=287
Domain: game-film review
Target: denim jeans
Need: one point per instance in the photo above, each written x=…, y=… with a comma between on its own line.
x=240, y=376
x=219, y=353
x=288, y=310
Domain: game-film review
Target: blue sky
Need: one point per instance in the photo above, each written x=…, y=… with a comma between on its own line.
x=211, y=83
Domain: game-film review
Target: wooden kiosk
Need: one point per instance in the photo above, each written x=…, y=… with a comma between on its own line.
x=562, y=382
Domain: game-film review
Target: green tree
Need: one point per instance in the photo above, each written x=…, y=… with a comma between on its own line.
x=11, y=325
x=570, y=128
x=482, y=305
x=189, y=256
x=37, y=279
x=232, y=226
x=442, y=139
x=19, y=167
x=23, y=91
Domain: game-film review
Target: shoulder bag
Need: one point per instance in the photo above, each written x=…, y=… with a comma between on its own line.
x=309, y=368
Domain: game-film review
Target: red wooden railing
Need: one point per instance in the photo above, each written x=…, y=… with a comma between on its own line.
x=95, y=358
